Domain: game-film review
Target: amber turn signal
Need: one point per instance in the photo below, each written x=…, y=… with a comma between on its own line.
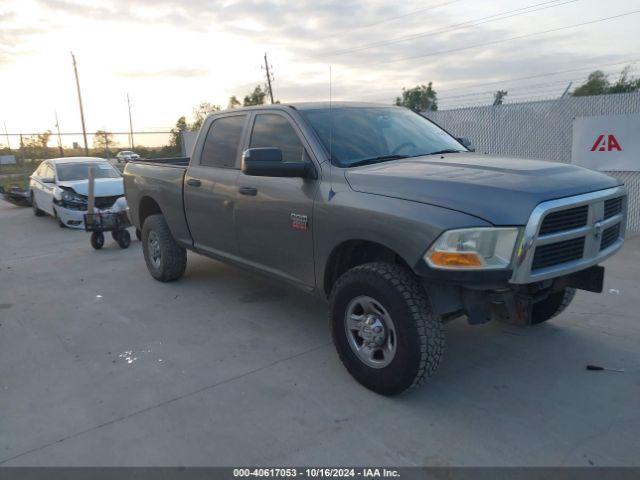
x=455, y=259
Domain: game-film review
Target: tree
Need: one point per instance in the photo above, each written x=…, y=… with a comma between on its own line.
x=256, y=97
x=201, y=112
x=37, y=146
x=103, y=141
x=419, y=98
x=498, y=97
x=598, y=84
x=624, y=83
x=175, y=139
x=234, y=102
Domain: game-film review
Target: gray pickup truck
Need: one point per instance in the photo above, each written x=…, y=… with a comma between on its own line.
x=384, y=214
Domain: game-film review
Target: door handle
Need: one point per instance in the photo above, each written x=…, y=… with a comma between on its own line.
x=248, y=191
x=194, y=182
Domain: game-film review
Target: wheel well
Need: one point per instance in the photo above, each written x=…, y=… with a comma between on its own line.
x=353, y=253
x=148, y=206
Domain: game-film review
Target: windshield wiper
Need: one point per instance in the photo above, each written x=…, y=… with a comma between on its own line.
x=447, y=150
x=372, y=160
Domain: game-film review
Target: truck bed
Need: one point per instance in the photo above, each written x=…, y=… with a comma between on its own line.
x=174, y=161
x=156, y=186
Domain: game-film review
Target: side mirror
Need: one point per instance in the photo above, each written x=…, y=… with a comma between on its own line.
x=48, y=180
x=466, y=143
x=267, y=162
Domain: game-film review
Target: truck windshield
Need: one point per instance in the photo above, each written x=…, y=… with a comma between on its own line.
x=70, y=172
x=360, y=135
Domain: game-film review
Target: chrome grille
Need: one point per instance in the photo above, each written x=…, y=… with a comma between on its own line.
x=565, y=220
x=609, y=236
x=557, y=253
x=570, y=234
x=612, y=207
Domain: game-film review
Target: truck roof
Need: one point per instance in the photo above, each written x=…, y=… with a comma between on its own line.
x=311, y=106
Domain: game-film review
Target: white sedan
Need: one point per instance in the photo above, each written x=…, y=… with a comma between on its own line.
x=127, y=156
x=59, y=187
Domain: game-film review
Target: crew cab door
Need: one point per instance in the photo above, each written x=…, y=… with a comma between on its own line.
x=210, y=185
x=274, y=220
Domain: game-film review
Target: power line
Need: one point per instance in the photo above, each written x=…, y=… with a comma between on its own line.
x=390, y=19
x=457, y=26
x=540, y=75
x=555, y=82
x=504, y=40
x=508, y=84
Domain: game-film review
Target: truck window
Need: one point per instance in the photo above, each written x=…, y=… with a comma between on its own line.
x=222, y=142
x=271, y=130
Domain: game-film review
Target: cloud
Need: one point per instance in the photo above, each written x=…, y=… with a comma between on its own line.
x=177, y=72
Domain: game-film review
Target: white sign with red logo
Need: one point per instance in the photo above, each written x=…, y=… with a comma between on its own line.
x=608, y=143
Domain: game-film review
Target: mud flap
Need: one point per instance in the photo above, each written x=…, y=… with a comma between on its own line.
x=591, y=279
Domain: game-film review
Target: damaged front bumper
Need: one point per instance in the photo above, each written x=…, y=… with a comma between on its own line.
x=511, y=303
x=70, y=217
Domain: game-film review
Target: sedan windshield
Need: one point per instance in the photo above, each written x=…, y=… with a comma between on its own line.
x=361, y=135
x=69, y=172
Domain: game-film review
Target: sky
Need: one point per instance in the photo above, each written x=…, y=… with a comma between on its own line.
x=170, y=55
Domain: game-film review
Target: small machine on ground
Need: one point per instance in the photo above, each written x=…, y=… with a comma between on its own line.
x=114, y=222
x=114, y=219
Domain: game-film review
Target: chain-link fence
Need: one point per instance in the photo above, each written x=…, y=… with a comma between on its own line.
x=541, y=130
x=29, y=149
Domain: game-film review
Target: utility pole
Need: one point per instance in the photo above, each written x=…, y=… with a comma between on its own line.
x=106, y=143
x=59, y=137
x=266, y=66
x=6, y=134
x=22, y=149
x=84, y=130
x=130, y=123
x=566, y=91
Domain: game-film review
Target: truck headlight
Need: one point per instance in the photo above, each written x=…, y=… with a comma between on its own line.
x=473, y=249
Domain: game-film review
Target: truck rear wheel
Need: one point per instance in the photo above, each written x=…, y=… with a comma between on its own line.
x=552, y=306
x=166, y=260
x=383, y=328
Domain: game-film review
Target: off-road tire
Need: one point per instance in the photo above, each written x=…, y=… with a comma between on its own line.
x=420, y=335
x=36, y=211
x=173, y=258
x=552, y=306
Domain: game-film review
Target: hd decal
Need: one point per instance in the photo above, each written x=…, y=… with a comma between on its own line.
x=299, y=222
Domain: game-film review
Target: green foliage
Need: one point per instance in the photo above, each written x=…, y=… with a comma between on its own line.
x=419, y=98
x=498, y=97
x=234, y=102
x=37, y=146
x=598, y=84
x=257, y=97
x=175, y=139
x=103, y=142
x=201, y=112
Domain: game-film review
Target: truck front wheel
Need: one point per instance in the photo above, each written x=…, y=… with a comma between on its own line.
x=166, y=260
x=383, y=328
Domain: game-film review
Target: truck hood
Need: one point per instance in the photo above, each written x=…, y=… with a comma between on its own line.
x=503, y=191
x=104, y=187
